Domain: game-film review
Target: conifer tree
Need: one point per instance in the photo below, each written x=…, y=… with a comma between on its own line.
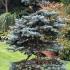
x=36, y=33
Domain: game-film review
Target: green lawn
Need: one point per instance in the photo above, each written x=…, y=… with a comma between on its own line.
x=6, y=57
x=68, y=66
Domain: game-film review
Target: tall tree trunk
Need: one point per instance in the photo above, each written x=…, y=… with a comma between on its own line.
x=6, y=5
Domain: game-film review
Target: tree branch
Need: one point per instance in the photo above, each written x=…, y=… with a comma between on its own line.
x=2, y=1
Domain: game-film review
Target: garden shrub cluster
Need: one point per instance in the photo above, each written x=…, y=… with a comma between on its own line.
x=33, y=33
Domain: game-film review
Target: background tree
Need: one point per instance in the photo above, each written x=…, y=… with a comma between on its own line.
x=5, y=4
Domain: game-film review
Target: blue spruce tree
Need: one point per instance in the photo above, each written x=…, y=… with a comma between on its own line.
x=35, y=34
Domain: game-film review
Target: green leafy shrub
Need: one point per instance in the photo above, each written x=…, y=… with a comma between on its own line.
x=65, y=54
x=67, y=9
x=65, y=1
x=6, y=20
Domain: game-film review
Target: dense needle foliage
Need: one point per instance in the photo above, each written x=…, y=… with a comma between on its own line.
x=36, y=32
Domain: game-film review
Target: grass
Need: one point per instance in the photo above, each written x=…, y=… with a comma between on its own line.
x=68, y=66
x=7, y=57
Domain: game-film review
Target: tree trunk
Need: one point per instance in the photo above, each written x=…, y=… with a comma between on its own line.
x=6, y=5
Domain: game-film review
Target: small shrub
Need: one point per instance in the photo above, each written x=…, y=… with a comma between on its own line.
x=65, y=55
x=6, y=20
